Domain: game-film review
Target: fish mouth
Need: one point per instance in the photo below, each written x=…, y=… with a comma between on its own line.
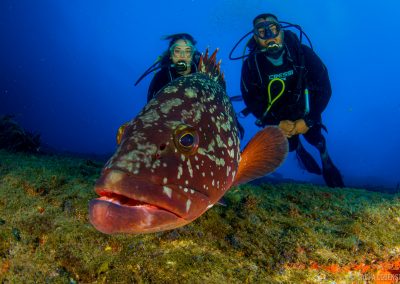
x=124, y=201
x=110, y=217
x=130, y=204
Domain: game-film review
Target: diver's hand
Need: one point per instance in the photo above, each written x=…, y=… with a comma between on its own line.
x=300, y=127
x=287, y=126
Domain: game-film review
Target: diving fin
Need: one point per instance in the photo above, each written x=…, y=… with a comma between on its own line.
x=307, y=161
x=331, y=174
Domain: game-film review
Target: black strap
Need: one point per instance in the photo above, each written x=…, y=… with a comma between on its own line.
x=245, y=112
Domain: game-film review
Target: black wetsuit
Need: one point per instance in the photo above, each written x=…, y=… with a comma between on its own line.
x=162, y=78
x=258, y=71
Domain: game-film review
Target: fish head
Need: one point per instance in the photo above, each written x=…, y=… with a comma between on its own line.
x=175, y=160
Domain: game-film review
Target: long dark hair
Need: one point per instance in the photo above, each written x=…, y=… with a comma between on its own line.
x=174, y=37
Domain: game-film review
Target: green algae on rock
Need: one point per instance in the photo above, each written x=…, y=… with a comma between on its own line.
x=285, y=233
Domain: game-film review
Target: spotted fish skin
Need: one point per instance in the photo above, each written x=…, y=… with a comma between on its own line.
x=176, y=159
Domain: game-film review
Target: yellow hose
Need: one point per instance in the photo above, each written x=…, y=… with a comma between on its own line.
x=270, y=100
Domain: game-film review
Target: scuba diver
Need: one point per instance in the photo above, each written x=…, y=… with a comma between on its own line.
x=181, y=58
x=285, y=83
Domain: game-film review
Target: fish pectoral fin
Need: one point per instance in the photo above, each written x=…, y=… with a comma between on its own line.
x=264, y=153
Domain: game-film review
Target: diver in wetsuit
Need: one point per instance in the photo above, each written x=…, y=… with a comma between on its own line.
x=180, y=59
x=285, y=83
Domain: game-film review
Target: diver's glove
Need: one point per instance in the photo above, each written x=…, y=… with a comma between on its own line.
x=287, y=127
x=300, y=127
x=291, y=128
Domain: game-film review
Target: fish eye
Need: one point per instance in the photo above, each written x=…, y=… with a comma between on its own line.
x=186, y=139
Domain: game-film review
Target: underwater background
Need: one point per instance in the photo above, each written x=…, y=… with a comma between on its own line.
x=67, y=71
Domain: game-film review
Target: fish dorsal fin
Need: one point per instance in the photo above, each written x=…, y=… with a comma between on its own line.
x=264, y=153
x=209, y=66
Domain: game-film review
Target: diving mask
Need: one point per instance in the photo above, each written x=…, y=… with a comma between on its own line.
x=183, y=51
x=267, y=30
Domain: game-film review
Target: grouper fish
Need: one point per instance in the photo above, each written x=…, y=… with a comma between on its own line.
x=179, y=156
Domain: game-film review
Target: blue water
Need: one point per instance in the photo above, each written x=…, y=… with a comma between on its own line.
x=67, y=70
